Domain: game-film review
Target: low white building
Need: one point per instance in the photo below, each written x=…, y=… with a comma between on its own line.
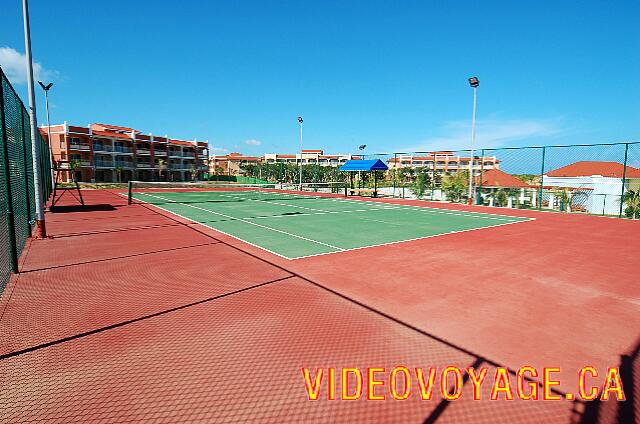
x=596, y=187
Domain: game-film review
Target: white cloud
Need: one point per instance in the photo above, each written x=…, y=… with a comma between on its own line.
x=14, y=65
x=216, y=150
x=253, y=142
x=490, y=133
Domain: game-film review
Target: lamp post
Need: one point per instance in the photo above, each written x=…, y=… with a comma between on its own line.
x=361, y=147
x=41, y=231
x=46, y=89
x=300, y=121
x=474, y=82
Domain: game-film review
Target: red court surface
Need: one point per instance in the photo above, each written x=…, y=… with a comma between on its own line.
x=131, y=314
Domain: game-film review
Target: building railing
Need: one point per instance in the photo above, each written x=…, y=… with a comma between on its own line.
x=122, y=149
x=102, y=148
x=77, y=146
x=103, y=163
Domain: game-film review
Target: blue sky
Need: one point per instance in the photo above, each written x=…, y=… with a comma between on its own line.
x=392, y=75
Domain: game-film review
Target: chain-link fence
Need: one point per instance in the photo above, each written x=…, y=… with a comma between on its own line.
x=601, y=179
x=16, y=178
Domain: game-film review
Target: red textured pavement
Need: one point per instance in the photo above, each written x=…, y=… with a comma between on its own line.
x=130, y=314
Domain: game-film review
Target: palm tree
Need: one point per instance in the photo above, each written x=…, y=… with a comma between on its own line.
x=565, y=200
x=194, y=172
x=74, y=165
x=422, y=183
x=455, y=185
x=162, y=166
x=632, y=199
x=119, y=171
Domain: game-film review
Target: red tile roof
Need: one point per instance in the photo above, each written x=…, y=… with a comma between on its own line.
x=182, y=143
x=111, y=134
x=589, y=168
x=114, y=127
x=498, y=178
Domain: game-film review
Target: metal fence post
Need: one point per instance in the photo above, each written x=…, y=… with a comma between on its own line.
x=479, y=186
x=13, y=251
x=395, y=173
x=26, y=169
x=544, y=152
x=433, y=175
x=624, y=177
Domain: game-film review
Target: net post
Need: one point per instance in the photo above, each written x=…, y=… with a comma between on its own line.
x=13, y=252
x=544, y=152
x=624, y=177
x=129, y=192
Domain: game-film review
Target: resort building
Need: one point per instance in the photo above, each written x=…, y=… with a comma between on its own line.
x=110, y=153
x=231, y=164
x=443, y=162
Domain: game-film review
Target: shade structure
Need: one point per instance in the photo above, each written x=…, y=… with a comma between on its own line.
x=364, y=165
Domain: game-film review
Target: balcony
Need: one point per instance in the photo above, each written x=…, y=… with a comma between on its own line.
x=144, y=165
x=102, y=148
x=123, y=164
x=157, y=152
x=101, y=163
x=175, y=154
x=143, y=151
x=122, y=149
x=76, y=146
x=188, y=154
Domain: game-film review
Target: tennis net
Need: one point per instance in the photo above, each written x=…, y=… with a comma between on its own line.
x=199, y=192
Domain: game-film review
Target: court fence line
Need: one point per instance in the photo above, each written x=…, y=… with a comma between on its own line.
x=597, y=179
x=17, y=207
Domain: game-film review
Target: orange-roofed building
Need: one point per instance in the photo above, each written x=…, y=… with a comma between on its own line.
x=112, y=153
x=443, y=162
x=495, y=178
x=599, y=185
x=230, y=164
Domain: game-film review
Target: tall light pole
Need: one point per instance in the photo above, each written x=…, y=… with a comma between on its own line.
x=300, y=121
x=474, y=82
x=41, y=231
x=46, y=97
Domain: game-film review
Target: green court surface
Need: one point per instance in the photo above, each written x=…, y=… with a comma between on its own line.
x=295, y=226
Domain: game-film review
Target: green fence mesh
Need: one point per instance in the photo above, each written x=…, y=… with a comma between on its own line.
x=599, y=179
x=16, y=178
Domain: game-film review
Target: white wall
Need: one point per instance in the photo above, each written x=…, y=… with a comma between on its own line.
x=603, y=196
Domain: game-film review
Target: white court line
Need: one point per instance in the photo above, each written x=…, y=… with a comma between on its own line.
x=411, y=239
x=248, y=222
x=340, y=249
x=470, y=214
x=212, y=228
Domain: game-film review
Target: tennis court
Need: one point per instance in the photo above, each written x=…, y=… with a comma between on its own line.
x=294, y=225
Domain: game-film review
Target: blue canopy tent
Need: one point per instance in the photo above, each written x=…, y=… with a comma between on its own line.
x=366, y=166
